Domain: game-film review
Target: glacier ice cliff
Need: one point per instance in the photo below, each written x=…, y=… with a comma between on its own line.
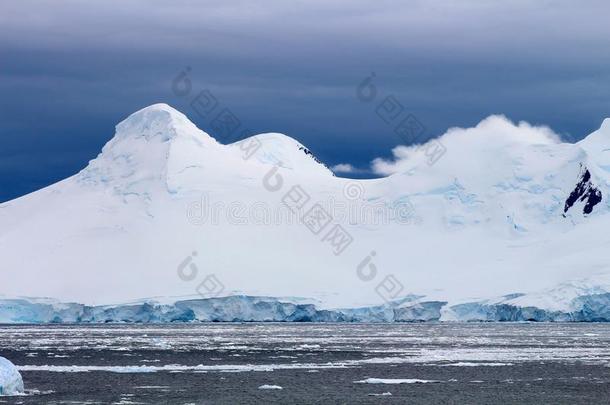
x=242, y=308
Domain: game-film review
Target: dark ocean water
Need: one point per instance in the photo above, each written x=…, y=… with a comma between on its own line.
x=312, y=363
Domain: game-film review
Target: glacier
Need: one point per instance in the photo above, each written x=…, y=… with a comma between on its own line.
x=584, y=308
x=509, y=225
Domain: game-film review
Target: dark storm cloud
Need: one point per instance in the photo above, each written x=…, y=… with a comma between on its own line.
x=71, y=70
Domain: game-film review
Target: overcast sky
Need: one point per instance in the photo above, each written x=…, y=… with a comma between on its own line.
x=70, y=70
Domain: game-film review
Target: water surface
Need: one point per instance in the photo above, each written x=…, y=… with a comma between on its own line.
x=312, y=363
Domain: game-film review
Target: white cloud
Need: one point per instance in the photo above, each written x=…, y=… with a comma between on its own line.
x=402, y=154
x=487, y=139
x=344, y=168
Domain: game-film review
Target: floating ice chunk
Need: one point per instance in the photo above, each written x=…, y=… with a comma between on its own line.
x=394, y=381
x=473, y=364
x=11, y=382
x=269, y=387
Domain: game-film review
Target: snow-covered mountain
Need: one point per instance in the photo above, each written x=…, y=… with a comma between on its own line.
x=509, y=224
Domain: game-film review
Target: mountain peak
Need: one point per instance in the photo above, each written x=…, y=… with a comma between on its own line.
x=598, y=142
x=287, y=152
x=155, y=121
x=142, y=148
x=159, y=107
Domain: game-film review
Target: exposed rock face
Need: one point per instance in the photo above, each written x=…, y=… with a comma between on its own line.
x=584, y=192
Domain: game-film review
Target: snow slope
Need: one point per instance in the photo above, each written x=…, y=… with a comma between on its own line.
x=508, y=217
